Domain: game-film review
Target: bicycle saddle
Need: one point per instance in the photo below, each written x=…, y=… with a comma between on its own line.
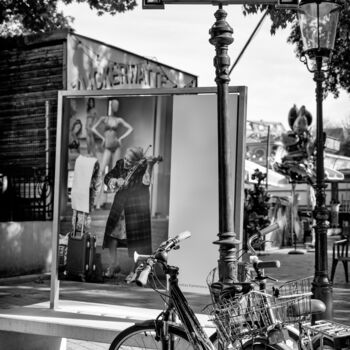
x=306, y=307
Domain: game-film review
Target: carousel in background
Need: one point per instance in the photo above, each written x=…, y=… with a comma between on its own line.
x=287, y=158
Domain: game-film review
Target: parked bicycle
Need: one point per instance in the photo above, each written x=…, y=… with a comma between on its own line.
x=296, y=306
x=166, y=332
x=245, y=318
x=254, y=319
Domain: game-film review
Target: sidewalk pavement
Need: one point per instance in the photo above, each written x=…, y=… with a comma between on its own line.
x=20, y=292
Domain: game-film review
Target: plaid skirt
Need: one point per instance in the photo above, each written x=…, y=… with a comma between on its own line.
x=135, y=202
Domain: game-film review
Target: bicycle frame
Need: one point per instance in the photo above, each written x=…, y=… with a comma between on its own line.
x=267, y=334
x=178, y=302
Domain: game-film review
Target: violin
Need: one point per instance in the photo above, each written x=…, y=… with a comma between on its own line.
x=153, y=160
x=132, y=171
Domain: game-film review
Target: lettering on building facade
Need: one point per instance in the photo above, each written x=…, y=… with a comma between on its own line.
x=94, y=66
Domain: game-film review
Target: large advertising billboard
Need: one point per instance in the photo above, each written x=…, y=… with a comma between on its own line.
x=172, y=133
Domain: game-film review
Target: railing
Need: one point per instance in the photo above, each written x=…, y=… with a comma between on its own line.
x=28, y=197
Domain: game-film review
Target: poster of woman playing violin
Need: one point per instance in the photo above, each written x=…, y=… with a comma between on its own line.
x=130, y=210
x=130, y=215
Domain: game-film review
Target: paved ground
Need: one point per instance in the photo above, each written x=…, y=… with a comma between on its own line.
x=27, y=291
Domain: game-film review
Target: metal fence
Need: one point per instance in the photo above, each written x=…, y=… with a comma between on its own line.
x=27, y=197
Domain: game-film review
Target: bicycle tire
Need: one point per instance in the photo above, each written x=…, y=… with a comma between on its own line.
x=328, y=344
x=142, y=336
x=255, y=344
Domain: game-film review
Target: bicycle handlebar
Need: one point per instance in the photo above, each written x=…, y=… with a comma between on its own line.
x=172, y=242
x=261, y=233
x=141, y=277
x=269, y=229
x=259, y=265
x=266, y=264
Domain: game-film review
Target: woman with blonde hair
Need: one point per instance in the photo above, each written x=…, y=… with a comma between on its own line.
x=130, y=215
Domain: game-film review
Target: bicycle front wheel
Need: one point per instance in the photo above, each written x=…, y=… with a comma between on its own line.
x=143, y=336
x=262, y=344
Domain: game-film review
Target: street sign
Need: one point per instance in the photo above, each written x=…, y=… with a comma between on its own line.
x=287, y=4
x=159, y=4
x=152, y=4
x=332, y=144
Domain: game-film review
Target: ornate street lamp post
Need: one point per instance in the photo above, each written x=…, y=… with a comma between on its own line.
x=221, y=37
x=318, y=20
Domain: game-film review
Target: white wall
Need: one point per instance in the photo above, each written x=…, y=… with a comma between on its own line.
x=194, y=186
x=25, y=247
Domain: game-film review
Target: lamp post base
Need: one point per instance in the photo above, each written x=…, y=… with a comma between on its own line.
x=295, y=251
x=322, y=290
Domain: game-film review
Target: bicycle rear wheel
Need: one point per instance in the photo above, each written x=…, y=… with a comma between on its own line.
x=262, y=344
x=143, y=336
x=328, y=344
x=252, y=344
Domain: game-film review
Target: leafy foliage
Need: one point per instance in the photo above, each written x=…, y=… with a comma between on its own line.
x=33, y=16
x=338, y=76
x=256, y=206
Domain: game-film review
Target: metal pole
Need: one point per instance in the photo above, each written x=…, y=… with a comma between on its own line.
x=322, y=288
x=47, y=138
x=221, y=37
x=267, y=157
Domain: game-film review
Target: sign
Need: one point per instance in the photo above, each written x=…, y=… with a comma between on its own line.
x=332, y=144
x=159, y=4
x=93, y=65
x=153, y=4
x=287, y=4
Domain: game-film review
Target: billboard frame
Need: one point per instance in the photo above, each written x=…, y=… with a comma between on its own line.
x=239, y=157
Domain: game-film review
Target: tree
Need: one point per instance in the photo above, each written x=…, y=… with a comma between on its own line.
x=338, y=76
x=256, y=207
x=33, y=16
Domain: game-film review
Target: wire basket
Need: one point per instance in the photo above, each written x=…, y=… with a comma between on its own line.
x=298, y=294
x=249, y=315
x=244, y=315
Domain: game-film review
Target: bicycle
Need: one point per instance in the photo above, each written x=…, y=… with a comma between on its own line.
x=245, y=318
x=296, y=317
x=165, y=332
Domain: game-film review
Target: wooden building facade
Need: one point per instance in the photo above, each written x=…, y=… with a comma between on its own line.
x=33, y=69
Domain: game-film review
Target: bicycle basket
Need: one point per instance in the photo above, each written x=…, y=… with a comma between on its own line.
x=297, y=295
x=247, y=316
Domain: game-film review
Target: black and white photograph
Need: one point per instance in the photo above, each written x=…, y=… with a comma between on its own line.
x=117, y=184
x=174, y=174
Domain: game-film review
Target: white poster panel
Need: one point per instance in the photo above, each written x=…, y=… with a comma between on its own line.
x=194, y=186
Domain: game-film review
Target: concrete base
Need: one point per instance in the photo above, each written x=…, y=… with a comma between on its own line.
x=37, y=327
x=21, y=341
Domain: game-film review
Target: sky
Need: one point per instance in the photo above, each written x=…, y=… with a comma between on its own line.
x=179, y=36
